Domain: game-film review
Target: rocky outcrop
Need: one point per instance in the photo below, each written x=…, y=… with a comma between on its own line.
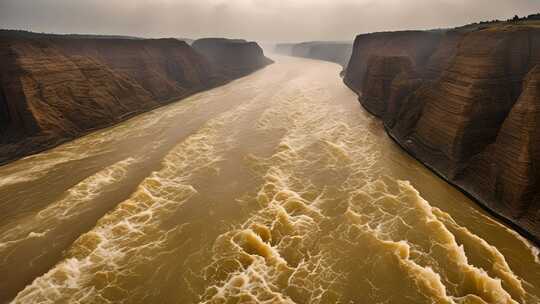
x=338, y=52
x=167, y=68
x=231, y=58
x=378, y=83
x=516, y=179
x=463, y=102
x=509, y=169
x=417, y=46
x=54, y=88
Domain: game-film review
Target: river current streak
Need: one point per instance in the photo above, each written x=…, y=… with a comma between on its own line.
x=276, y=188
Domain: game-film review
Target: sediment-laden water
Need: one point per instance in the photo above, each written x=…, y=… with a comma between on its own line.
x=276, y=188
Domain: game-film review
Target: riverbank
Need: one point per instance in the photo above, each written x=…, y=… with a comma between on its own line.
x=464, y=102
x=54, y=88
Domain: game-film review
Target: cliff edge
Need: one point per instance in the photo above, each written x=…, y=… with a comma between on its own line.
x=231, y=58
x=465, y=102
x=57, y=87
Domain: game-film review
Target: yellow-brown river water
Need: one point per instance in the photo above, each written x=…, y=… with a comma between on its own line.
x=276, y=188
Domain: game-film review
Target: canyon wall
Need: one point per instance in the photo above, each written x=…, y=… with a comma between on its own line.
x=231, y=58
x=338, y=52
x=54, y=88
x=466, y=103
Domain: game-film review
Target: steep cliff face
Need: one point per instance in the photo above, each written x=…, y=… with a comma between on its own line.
x=380, y=74
x=516, y=174
x=509, y=169
x=461, y=102
x=50, y=95
x=16, y=117
x=338, y=52
x=167, y=68
x=231, y=58
x=444, y=54
x=54, y=88
x=417, y=46
x=466, y=106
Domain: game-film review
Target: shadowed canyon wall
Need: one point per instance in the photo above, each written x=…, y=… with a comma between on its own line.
x=54, y=88
x=466, y=103
x=231, y=58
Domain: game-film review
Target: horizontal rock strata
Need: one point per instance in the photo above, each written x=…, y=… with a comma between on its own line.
x=465, y=103
x=54, y=88
x=231, y=58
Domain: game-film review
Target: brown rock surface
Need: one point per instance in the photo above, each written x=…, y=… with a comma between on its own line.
x=415, y=45
x=380, y=74
x=54, y=88
x=463, y=106
x=509, y=170
x=445, y=52
x=466, y=106
x=231, y=58
x=165, y=67
x=517, y=149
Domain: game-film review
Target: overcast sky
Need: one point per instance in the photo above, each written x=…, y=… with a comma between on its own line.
x=263, y=20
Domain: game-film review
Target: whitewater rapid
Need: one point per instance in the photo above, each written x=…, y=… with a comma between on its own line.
x=276, y=188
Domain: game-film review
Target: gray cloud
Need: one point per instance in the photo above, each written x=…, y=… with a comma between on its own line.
x=267, y=20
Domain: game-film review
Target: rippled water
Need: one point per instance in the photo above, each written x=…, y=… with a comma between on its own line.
x=276, y=188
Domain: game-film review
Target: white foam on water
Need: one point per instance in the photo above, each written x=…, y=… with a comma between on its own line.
x=267, y=250
x=496, y=264
x=266, y=259
x=452, y=261
x=77, y=200
x=535, y=251
x=272, y=257
x=130, y=236
x=329, y=226
x=35, y=167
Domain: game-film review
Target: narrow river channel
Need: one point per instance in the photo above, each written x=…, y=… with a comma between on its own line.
x=276, y=188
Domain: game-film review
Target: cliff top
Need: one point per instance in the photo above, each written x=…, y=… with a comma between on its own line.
x=11, y=35
x=532, y=21
x=218, y=43
x=220, y=40
x=28, y=34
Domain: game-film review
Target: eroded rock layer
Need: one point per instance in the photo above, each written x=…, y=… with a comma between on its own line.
x=509, y=169
x=167, y=68
x=54, y=88
x=381, y=72
x=415, y=45
x=231, y=58
x=465, y=103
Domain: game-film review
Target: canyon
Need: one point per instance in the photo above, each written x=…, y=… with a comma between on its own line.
x=465, y=102
x=275, y=188
x=54, y=88
x=173, y=170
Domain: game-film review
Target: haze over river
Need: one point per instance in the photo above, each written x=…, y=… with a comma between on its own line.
x=276, y=188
